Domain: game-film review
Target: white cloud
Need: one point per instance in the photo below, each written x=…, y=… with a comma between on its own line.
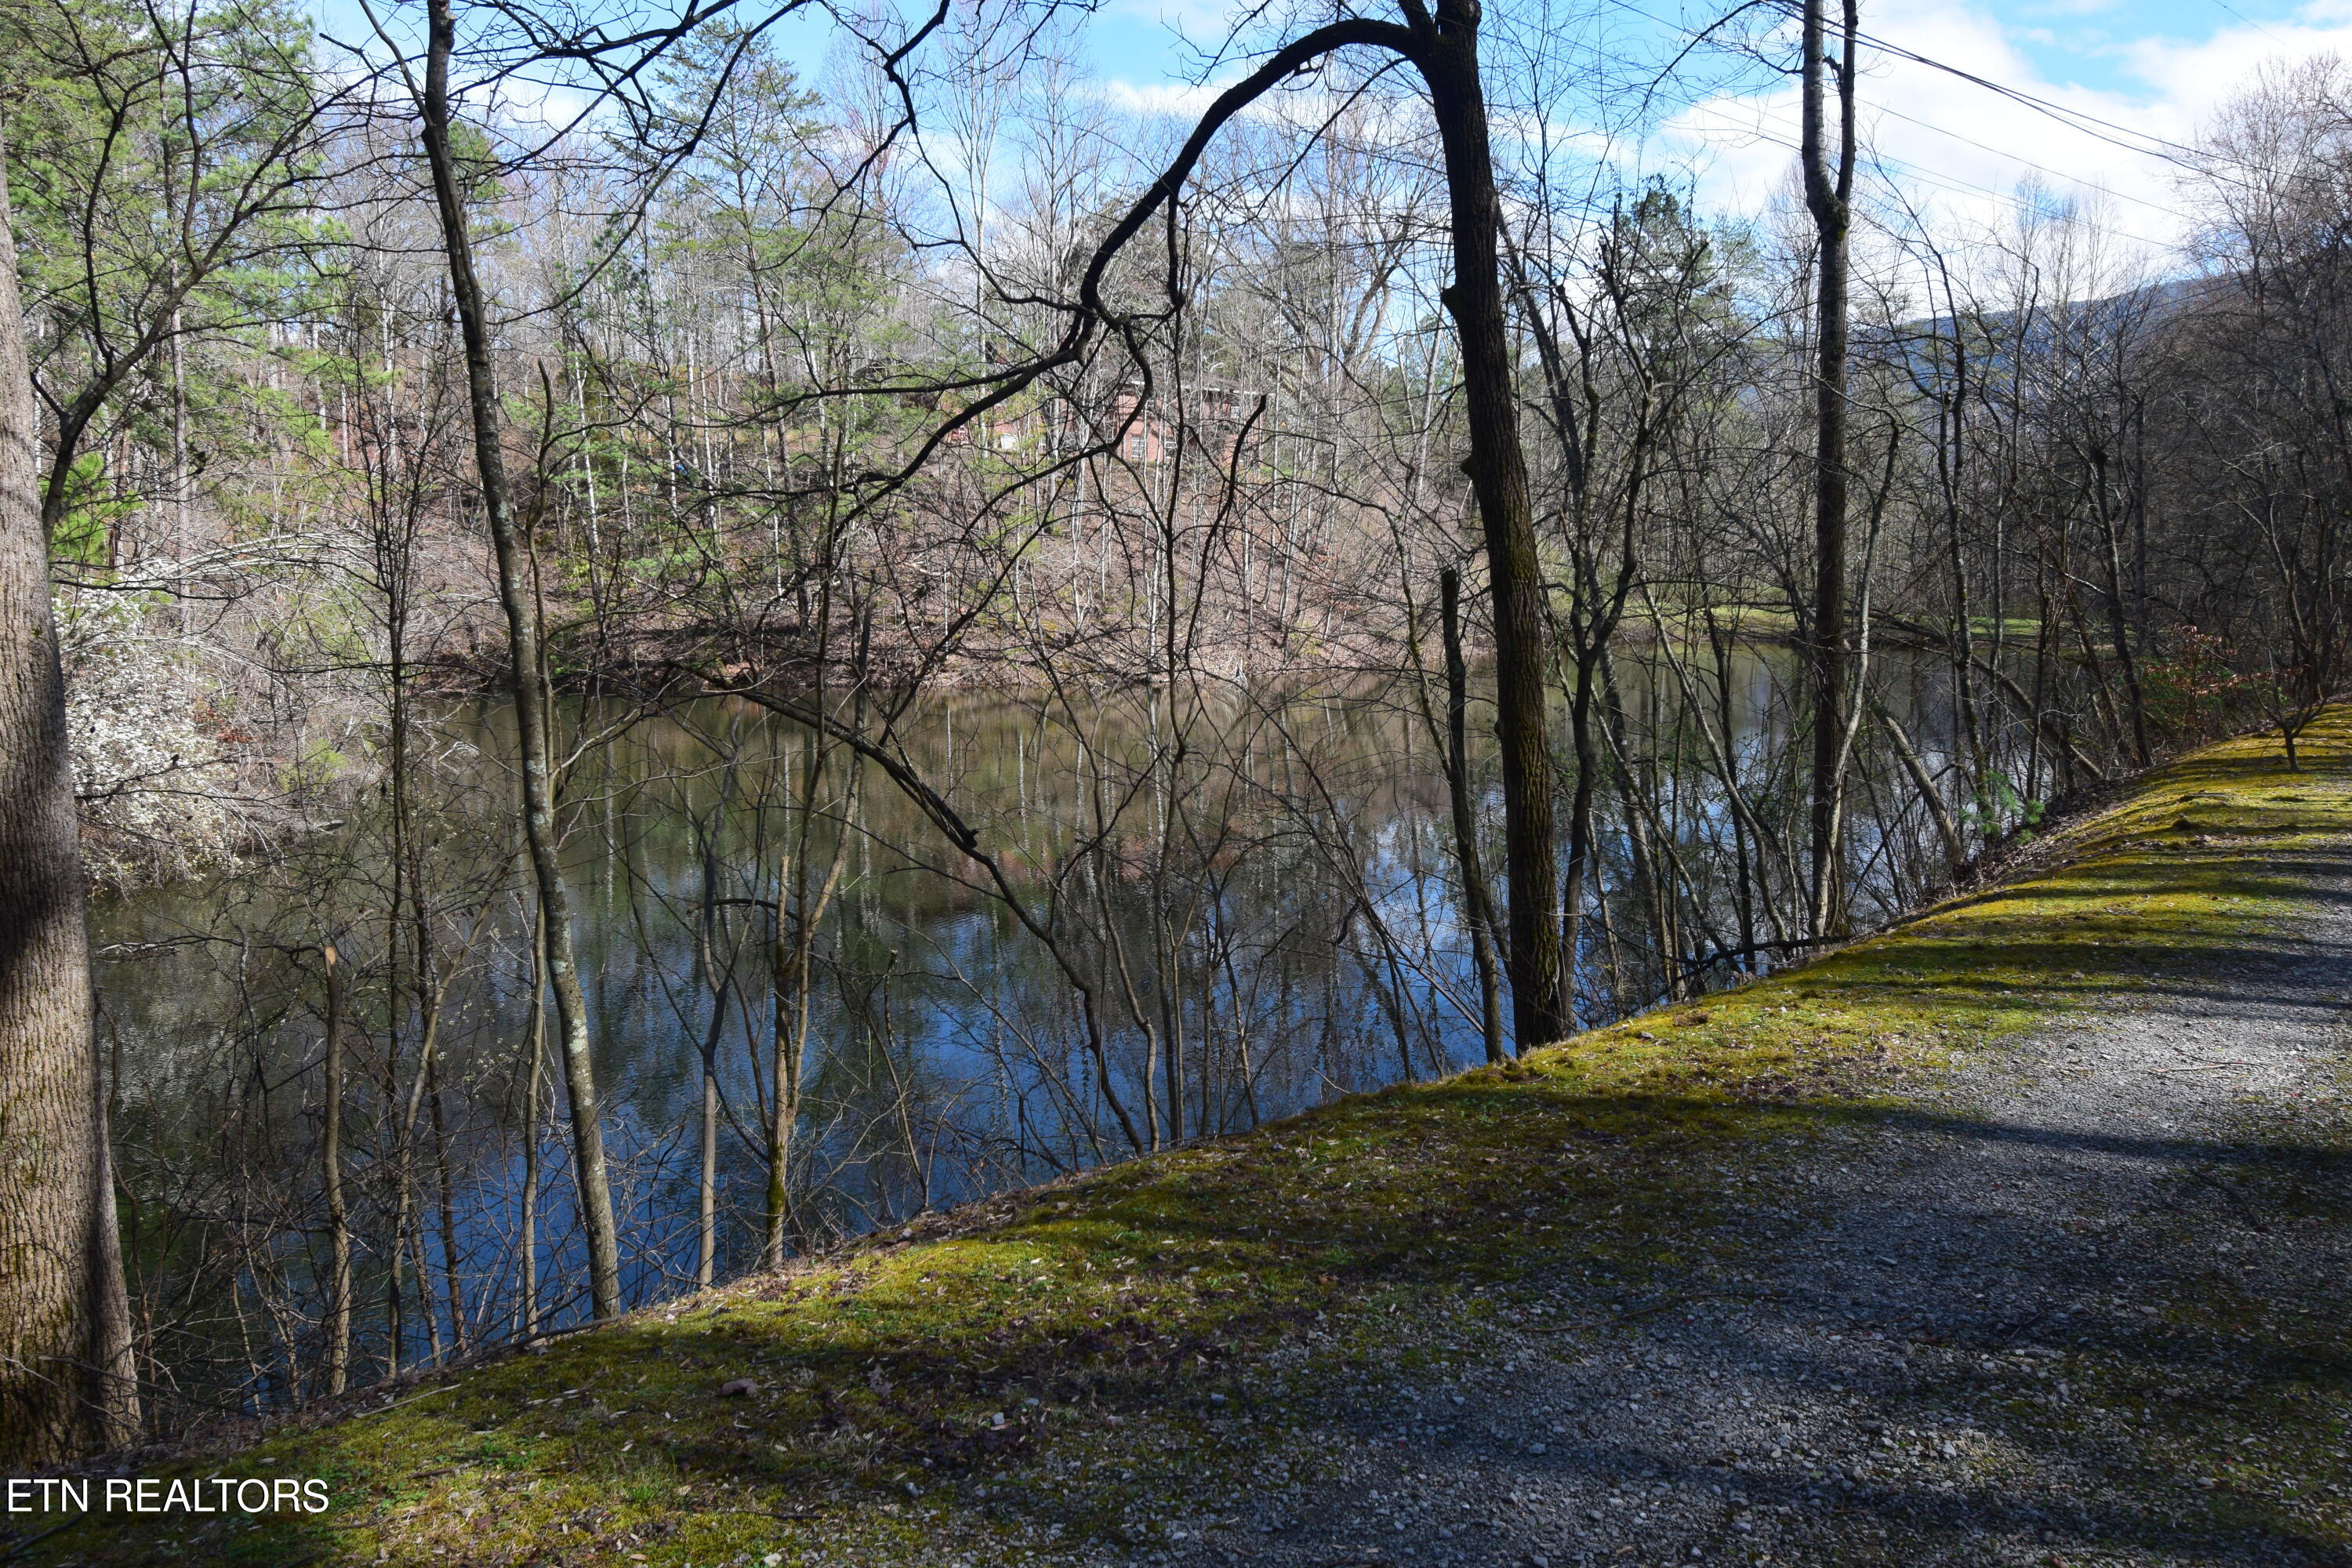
x=2199, y=75
x=1968, y=149
x=1153, y=100
x=1190, y=18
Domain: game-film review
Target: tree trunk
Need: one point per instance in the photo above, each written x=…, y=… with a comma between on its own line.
x=331, y=1165
x=1584, y=746
x=706, y=1249
x=2126, y=655
x=534, y=1040
x=1955, y=854
x=800, y=913
x=452, y=1290
x=1477, y=899
x=705, y=1232
x=1829, y=199
x=67, y=1383
x=1448, y=58
x=531, y=693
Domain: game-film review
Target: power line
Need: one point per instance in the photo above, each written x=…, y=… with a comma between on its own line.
x=2080, y=121
x=1769, y=119
x=2077, y=119
x=2250, y=22
x=1955, y=185
x=2018, y=158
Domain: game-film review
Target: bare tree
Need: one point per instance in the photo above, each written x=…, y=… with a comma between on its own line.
x=528, y=672
x=1829, y=197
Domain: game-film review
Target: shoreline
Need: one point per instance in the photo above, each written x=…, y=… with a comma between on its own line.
x=1154, y=1315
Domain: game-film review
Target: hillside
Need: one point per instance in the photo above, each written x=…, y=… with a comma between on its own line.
x=2011, y=1236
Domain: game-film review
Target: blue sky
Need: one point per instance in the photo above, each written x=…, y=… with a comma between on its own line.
x=2157, y=67
x=2090, y=43
x=2095, y=45
x=2160, y=66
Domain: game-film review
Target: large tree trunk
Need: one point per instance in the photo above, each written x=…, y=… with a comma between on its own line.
x=531, y=691
x=1828, y=190
x=1448, y=57
x=66, y=1373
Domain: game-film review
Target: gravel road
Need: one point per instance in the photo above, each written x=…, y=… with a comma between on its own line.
x=2082, y=1304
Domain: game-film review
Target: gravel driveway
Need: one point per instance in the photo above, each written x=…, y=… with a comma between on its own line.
x=2082, y=1304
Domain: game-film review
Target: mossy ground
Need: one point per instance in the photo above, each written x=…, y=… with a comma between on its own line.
x=1019, y=1377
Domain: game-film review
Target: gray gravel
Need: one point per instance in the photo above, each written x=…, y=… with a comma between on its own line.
x=2078, y=1307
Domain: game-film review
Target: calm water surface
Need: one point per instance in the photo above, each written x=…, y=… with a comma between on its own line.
x=1259, y=886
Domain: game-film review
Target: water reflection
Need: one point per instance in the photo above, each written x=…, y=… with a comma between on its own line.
x=1251, y=892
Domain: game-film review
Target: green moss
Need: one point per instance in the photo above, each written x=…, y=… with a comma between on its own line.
x=1081, y=1343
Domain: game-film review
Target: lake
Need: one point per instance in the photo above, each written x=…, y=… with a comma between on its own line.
x=1257, y=884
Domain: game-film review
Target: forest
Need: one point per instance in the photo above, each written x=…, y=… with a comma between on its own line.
x=638, y=640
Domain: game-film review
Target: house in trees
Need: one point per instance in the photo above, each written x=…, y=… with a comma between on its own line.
x=1213, y=422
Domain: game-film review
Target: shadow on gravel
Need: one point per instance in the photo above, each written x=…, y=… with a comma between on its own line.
x=2172, y=1377
x=2184, y=974
x=2172, y=1360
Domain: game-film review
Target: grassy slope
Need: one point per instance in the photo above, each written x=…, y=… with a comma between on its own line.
x=1033, y=1373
